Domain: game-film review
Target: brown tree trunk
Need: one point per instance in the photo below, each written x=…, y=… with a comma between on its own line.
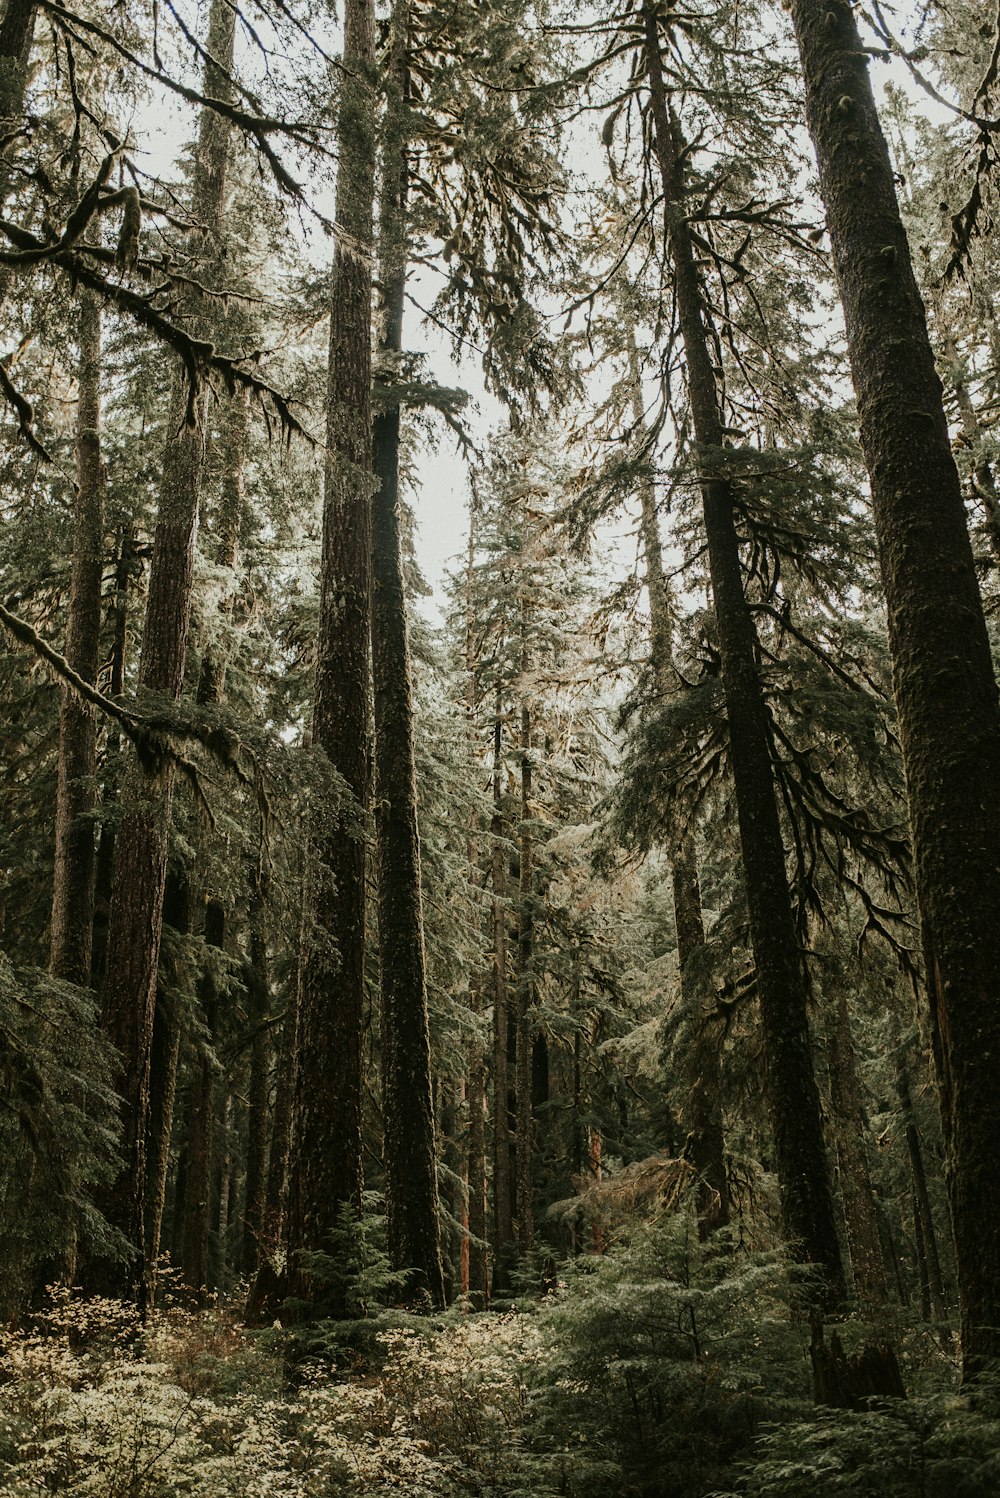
x=525, y=998
x=475, y=1170
x=201, y=1162
x=326, y=1173
x=706, y=1141
x=945, y=691
x=793, y=1096
x=16, y=31
x=104, y=869
x=503, y=1228
x=142, y=838
x=851, y=1128
x=928, y=1258
x=409, y=1151
x=259, y=998
x=71, y=938
x=172, y=978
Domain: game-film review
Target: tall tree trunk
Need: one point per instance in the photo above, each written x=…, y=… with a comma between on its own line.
x=142, y=839
x=503, y=1228
x=409, y=1151
x=928, y=1258
x=706, y=1140
x=945, y=691
x=793, y=1096
x=16, y=31
x=172, y=978
x=201, y=1162
x=475, y=1173
x=326, y=1167
x=864, y=1241
x=71, y=938
x=104, y=869
x=259, y=998
x=984, y=484
x=525, y=996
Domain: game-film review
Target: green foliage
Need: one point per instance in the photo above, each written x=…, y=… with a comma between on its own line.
x=58, y=1127
x=663, y=1358
x=943, y=1445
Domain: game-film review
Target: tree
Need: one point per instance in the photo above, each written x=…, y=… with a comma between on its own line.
x=945, y=690
x=800, y=1150
x=412, y=1209
x=326, y=1168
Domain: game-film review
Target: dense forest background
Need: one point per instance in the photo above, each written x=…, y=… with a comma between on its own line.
x=542, y=1040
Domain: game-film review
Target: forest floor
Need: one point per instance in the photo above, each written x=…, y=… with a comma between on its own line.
x=619, y=1382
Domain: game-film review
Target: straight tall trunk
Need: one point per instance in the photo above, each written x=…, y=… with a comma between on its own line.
x=793, y=1096
x=105, y=859
x=928, y=1258
x=172, y=978
x=326, y=1174
x=864, y=1243
x=706, y=1141
x=945, y=691
x=475, y=1173
x=71, y=938
x=503, y=1228
x=258, y=1004
x=525, y=1002
x=201, y=1162
x=409, y=1150
x=142, y=838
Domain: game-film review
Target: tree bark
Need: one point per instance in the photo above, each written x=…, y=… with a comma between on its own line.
x=793, y=1096
x=409, y=1150
x=503, y=1228
x=945, y=691
x=71, y=937
x=525, y=996
x=706, y=1140
x=326, y=1167
x=851, y=1129
x=136, y=915
x=164, y=1052
x=928, y=1258
x=259, y=997
x=201, y=1162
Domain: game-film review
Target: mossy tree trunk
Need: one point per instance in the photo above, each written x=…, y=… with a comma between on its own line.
x=409, y=1150
x=326, y=1171
x=945, y=691
x=73, y=878
x=142, y=838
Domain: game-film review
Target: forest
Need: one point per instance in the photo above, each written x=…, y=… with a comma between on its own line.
x=499, y=748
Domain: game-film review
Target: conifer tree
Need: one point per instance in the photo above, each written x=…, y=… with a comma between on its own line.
x=944, y=685
x=326, y=1172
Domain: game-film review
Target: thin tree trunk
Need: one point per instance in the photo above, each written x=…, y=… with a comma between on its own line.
x=326, y=1173
x=793, y=1096
x=136, y=915
x=106, y=848
x=259, y=998
x=983, y=478
x=165, y=1049
x=945, y=691
x=201, y=1162
x=503, y=1228
x=71, y=938
x=525, y=997
x=851, y=1128
x=928, y=1258
x=706, y=1140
